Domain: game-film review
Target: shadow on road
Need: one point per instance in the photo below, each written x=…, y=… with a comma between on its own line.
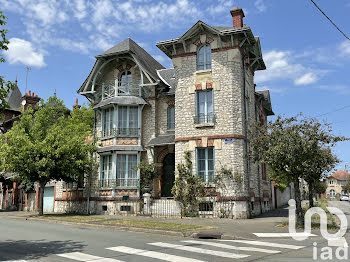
x=24, y=249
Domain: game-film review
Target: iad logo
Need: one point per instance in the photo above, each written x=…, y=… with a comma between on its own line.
x=336, y=239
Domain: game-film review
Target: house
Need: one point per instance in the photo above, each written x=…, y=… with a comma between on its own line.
x=11, y=195
x=204, y=104
x=335, y=183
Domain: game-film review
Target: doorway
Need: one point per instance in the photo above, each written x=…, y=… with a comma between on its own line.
x=168, y=177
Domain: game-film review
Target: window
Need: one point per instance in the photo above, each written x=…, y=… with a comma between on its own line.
x=124, y=85
x=107, y=122
x=204, y=57
x=205, y=164
x=106, y=171
x=171, y=118
x=332, y=192
x=204, y=107
x=126, y=170
x=128, y=121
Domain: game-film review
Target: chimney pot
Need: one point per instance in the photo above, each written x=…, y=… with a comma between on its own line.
x=30, y=93
x=237, y=17
x=76, y=101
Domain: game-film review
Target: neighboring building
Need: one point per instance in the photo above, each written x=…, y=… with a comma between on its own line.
x=11, y=196
x=335, y=184
x=146, y=112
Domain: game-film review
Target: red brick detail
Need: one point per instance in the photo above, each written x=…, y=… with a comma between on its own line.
x=106, y=193
x=237, y=17
x=171, y=103
x=199, y=143
x=37, y=198
x=210, y=142
x=209, y=40
x=209, y=85
x=184, y=54
x=198, y=42
x=128, y=67
x=213, y=51
x=71, y=195
x=184, y=139
x=120, y=68
x=198, y=86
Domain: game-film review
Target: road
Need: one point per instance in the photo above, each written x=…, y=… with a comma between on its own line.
x=25, y=241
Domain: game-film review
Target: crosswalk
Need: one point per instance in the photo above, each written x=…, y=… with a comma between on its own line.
x=194, y=250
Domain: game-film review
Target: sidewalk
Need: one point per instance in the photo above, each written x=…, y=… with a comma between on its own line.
x=230, y=228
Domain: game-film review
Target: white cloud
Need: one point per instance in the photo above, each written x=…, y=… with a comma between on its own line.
x=306, y=79
x=282, y=65
x=344, y=48
x=260, y=5
x=22, y=51
x=336, y=88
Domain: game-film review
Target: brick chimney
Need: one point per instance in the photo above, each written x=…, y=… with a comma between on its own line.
x=76, y=106
x=29, y=99
x=237, y=17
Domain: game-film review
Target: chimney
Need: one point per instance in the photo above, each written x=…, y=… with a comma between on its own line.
x=76, y=106
x=29, y=99
x=237, y=17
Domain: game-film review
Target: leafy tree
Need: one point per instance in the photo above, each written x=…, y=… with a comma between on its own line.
x=5, y=86
x=295, y=149
x=346, y=187
x=147, y=173
x=49, y=143
x=320, y=187
x=187, y=188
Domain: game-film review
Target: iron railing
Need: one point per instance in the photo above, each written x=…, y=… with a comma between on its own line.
x=119, y=182
x=110, y=90
x=204, y=119
x=121, y=132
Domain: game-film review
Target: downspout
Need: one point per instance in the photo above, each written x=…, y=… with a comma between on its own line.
x=246, y=137
x=259, y=171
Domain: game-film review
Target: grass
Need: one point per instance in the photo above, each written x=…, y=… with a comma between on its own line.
x=138, y=223
x=315, y=220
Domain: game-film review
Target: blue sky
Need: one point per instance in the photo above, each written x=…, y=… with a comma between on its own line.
x=307, y=59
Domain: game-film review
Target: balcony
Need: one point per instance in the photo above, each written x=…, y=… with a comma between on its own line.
x=120, y=89
x=121, y=132
x=203, y=119
x=119, y=183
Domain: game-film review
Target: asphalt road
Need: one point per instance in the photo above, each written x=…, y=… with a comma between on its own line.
x=22, y=240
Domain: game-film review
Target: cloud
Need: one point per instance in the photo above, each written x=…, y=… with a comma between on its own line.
x=344, y=48
x=306, y=79
x=260, y=5
x=22, y=51
x=282, y=65
x=336, y=88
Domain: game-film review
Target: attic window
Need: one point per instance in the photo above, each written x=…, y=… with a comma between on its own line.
x=204, y=57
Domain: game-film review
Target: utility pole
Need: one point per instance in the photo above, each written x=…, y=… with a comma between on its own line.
x=27, y=69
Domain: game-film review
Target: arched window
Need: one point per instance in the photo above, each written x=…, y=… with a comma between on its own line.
x=171, y=117
x=332, y=192
x=124, y=80
x=204, y=57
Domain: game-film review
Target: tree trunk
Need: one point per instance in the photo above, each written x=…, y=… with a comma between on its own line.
x=311, y=194
x=41, y=198
x=299, y=214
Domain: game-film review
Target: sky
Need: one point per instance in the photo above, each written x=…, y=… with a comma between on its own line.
x=307, y=59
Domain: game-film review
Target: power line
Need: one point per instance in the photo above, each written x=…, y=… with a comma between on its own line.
x=336, y=110
x=330, y=20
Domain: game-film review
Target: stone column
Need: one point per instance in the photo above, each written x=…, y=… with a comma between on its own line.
x=147, y=204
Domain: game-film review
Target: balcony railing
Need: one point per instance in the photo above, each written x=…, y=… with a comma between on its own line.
x=119, y=182
x=121, y=132
x=110, y=90
x=204, y=119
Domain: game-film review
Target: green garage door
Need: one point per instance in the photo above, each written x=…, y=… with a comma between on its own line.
x=48, y=199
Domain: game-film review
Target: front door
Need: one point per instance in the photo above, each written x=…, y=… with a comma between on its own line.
x=168, y=177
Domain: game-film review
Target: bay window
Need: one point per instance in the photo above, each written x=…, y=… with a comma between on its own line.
x=127, y=170
x=128, y=121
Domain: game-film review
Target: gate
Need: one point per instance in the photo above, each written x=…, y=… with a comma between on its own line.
x=48, y=199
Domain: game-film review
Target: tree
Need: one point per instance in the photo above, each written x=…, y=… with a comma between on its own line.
x=346, y=187
x=320, y=187
x=295, y=148
x=5, y=86
x=49, y=143
x=187, y=187
x=147, y=173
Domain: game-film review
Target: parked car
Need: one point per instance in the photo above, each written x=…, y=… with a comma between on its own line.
x=344, y=198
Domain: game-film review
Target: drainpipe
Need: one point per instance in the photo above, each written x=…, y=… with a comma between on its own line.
x=246, y=137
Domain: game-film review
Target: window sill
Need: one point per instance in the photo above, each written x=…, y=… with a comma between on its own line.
x=205, y=71
x=204, y=125
x=170, y=130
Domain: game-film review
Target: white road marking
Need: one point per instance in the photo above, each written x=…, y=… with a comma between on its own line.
x=15, y=261
x=283, y=234
x=199, y=250
x=214, y=244
x=261, y=243
x=78, y=256
x=152, y=254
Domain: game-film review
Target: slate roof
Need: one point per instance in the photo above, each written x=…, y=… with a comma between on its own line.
x=14, y=99
x=340, y=175
x=122, y=100
x=128, y=45
x=265, y=94
x=168, y=77
x=162, y=140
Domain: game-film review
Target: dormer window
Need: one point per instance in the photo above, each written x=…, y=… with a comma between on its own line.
x=204, y=57
x=124, y=84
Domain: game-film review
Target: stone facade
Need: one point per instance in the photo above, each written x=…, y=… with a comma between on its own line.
x=235, y=56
